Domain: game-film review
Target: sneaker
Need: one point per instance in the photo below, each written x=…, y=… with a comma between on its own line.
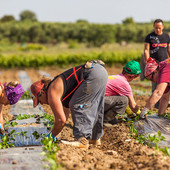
x=95, y=142
x=80, y=143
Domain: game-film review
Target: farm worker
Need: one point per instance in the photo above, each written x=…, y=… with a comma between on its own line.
x=9, y=94
x=157, y=46
x=160, y=74
x=119, y=93
x=81, y=89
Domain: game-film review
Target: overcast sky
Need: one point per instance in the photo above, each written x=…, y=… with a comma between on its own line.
x=94, y=11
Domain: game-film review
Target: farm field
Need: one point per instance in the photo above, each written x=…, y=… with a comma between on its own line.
x=118, y=149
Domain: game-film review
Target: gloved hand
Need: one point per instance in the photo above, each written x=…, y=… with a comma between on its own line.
x=54, y=138
x=129, y=112
x=1, y=136
x=1, y=131
x=144, y=112
x=138, y=112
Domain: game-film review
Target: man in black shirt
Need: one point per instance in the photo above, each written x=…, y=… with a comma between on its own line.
x=157, y=43
x=157, y=46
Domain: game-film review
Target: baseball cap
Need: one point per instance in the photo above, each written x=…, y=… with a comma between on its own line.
x=132, y=67
x=35, y=89
x=14, y=93
x=151, y=66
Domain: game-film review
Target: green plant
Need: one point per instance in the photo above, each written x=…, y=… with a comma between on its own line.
x=25, y=95
x=165, y=150
x=151, y=141
x=48, y=119
x=6, y=139
x=14, y=124
x=23, y=133
x=36, y=135
x=155, y=139
x=49, y=151
x=5, y=142
x=166, y=115
x=24, y=116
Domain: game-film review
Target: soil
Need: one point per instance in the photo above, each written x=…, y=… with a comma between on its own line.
x=118, y=149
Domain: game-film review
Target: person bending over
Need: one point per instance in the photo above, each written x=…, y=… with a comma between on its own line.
x=160, y=74
x=81, y=89
x=119, y=93
x=9, y=94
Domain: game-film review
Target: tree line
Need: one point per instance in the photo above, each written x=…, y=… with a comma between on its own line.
x=29, y=30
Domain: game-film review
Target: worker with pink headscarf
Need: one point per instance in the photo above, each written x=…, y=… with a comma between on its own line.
x=160, y=74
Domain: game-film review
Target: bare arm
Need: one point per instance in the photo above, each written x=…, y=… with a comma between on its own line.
x=67, y=112
x=132, y=104
x=163, y=103
x=156, y=95
x=54, y=99
x=146, y=51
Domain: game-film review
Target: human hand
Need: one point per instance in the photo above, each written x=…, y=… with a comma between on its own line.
x=138, y=112
x=144, y=112
x=53, y=137
x=129, y=112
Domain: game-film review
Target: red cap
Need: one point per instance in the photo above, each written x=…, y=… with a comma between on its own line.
x=150, y=67
x=35, y=89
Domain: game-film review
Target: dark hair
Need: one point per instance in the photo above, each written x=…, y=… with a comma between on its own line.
x=157, y=21
x=132, y=75
x=45, y=81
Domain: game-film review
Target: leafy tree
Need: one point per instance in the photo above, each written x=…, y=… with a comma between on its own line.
x=82, y=21
x=7, y=18
x=128, y=21
x=28, y=15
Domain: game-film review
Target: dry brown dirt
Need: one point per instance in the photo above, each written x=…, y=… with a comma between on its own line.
x=116, y=152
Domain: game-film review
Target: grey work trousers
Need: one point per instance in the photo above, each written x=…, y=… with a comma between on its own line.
x=87, y=104
x=114, y=105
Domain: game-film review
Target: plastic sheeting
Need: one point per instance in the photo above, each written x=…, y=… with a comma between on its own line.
x=152, y=124
x=29, y=139
x=29, y=125
x=26, y=107
x=22, y=158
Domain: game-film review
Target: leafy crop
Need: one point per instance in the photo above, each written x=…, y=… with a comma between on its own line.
x=36, y=135
x=155, y=139
x=49, y=151
x=6, y=140
x=14, y=124
x=151, y=141
x=25, y=95
x=24, y=116
x=37, y=60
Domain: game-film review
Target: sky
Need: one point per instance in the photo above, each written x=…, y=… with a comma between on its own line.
x=94, y=11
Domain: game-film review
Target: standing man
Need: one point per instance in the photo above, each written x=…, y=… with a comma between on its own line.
x=157, y=46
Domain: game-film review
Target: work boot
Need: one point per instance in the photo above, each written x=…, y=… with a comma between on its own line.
x=95, y=142
x=80, y=143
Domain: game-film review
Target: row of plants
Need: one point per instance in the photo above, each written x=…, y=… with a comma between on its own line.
x=150, y=140
x=50, y=148
x=37, y=60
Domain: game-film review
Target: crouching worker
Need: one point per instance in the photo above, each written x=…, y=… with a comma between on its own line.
x=81, y=89
x=9, y=94
x=160, y=74
x=119, y=93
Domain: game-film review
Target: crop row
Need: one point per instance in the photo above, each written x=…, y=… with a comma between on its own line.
x=38, y=60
